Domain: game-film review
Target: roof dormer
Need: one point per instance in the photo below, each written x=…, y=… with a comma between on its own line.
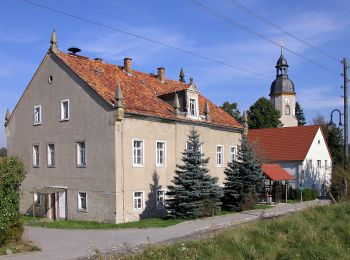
x=192, y=101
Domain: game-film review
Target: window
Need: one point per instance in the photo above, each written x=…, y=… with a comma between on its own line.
x=233, y=153
x=160, y=199
x=309, y=164
x=325, y=163
x=161, y=153
x=36, y=155
x=219, y=155
x=36, y=198
x=138, y=200
x=81, y=154
x=37, y=115
x=82, y=201
x=318, y=163
x=65, y=109
x=137, y=153
x=50, y=155
x=193, y=111
x=287, y=110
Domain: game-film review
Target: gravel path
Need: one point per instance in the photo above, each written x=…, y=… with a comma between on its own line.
x=72, y=244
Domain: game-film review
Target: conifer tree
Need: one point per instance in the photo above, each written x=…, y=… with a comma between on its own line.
x=244, y=179
x=194, y=192
x=299, y=113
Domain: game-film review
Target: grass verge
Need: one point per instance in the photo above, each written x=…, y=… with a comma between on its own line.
x=19, y=247
x=319, y=233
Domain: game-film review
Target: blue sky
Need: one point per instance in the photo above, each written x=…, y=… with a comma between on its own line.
x=25, y=33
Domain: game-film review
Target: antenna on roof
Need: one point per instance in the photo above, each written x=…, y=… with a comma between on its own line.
x=74, y=50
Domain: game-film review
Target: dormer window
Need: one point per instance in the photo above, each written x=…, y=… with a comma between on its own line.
x=193, y=107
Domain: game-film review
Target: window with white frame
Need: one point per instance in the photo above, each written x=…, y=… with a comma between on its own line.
x=37, y=115
x=50, y=155
x=65, y=109
x=36, y=198
x=138, y=200
x=161, y=153
x=193, y=107
x=36, y=155
x=309, y=164
x=233, y=153
x=160, y=199
x=81, y=154
x=319, y=164
x=325, y=163
x=137, y=152
x=219, y=155
x=82, y=200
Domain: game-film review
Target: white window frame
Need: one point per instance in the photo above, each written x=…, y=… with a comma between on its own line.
x=40, y=114
x=233, y=154
x=195, y=114
x=319, y=164
x=142, y=152
x=36, y=157
x=142, y=200
x=51, y=162
x=62, y=110
x=222, y=154
x=158, y=164
x=79, y=163
x=157, y=198
x=37, y=200
x=79, y=201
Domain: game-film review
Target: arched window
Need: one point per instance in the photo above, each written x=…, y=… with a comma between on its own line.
x=287, y=112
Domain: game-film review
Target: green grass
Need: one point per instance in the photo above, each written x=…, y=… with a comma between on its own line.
x=262, y=206
x=76, y=224
x=319, y=233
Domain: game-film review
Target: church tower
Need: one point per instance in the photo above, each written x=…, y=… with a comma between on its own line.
x=283, y=95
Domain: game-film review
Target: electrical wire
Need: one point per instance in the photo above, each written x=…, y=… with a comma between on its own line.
x=258, y=16
x=238, y=25
x=257, y=74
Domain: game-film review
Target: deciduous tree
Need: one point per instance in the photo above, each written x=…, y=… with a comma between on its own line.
x=262, y=114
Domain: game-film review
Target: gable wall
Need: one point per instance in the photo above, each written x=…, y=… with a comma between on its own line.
x=90, y=120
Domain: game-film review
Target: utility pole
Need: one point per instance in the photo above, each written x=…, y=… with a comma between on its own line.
x=345, y=74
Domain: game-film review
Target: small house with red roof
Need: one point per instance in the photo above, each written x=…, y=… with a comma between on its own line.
x=101, y=141
x=302, y=151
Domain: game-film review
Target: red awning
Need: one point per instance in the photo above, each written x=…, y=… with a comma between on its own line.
x=276, y=173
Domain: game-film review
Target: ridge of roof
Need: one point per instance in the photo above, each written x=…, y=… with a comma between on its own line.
x=103, y=78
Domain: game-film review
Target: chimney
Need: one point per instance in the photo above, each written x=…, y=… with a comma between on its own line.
x=127, y=65
x=161, y=74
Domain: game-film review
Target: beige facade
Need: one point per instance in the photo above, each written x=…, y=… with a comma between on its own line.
x=285, y=104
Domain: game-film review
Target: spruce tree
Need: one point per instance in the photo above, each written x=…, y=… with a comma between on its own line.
x=299, y=113
x=244, y=179
x=194, y=192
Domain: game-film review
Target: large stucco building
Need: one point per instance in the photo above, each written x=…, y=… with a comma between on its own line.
x=92, y=135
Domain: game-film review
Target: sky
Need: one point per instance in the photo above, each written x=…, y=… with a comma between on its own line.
x=25, y=32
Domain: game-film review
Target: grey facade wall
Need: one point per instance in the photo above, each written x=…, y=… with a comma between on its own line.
x=91, y=120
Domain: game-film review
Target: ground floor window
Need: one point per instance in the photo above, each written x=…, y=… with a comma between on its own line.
x=37, y=198
x=138, y=200
x=160, y=199
x=82, y=201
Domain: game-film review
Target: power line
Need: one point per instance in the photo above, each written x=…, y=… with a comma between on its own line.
x=237, y=24
x=257, y=74
x=256, y=15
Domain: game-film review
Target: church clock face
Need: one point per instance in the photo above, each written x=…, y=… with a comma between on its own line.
x=286, y=100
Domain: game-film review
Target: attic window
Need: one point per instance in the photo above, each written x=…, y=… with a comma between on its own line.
x=319, y=142
x=50, y=79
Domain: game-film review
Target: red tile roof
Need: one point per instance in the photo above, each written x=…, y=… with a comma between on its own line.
x=140, y=90
x=284, y=144
x=276, y=173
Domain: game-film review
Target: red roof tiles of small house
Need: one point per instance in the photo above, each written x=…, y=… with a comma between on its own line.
x=141, y=91
x=276, y=173
x=284, y=144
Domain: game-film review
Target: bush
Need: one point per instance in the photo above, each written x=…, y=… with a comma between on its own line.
x=337, y=183
x=11, y=177
x=308, y=194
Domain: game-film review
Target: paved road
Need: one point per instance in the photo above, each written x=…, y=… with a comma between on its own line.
x=71, y=244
